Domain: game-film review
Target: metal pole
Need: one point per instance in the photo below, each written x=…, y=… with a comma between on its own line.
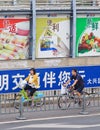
x=21, y=117
x=0, y=105
x=33, y=2
x=83, y=112
x=74, y=28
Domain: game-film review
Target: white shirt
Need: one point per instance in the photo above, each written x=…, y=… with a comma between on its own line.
x=30, y=79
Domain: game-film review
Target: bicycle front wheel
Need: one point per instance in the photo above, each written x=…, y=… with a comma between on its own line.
x=64, y=102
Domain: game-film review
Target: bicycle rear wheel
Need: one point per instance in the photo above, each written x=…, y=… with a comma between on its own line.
x=17, y=105
x=39, y=102
x=17, y=101
x=64, y=102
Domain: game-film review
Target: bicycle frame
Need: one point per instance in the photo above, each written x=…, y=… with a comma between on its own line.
x=36, y=96
x=65, y=100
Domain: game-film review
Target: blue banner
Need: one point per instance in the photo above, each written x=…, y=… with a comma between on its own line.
x=49, y=78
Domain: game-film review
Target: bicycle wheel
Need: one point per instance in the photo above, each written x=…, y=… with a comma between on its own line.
x=17, y=105
x=86, y=98
x=16, y=101
x=39, y=102
x=64, y=102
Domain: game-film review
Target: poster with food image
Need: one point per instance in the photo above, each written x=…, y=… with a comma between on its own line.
x=14, y=38
x=52, y=37
x=88, y=36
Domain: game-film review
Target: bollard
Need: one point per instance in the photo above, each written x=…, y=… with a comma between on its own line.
x=83, y=112
x=21, y=117
x=0, y=105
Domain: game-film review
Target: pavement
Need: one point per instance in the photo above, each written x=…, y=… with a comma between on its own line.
x=55, y=120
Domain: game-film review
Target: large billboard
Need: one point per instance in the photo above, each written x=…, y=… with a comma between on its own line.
x=88, y=35
x=49, y=78
x=14, y=37
x=52, y=36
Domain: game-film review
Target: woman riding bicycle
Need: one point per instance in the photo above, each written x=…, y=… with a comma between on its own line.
x=78, y=84
x=32, y=84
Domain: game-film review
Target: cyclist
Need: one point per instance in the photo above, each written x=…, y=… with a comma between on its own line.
x=32, y=84
x=78, y=84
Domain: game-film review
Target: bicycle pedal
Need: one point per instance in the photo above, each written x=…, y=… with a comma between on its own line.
x=75, y=101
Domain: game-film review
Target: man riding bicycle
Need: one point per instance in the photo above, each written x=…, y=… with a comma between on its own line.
x=78, y=84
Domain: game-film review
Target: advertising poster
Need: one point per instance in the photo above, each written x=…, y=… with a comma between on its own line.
x=88, y=35
x=52, y=39
x=14, y=37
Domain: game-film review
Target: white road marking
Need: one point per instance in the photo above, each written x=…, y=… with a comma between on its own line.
x=49, y=118
x=54, y=126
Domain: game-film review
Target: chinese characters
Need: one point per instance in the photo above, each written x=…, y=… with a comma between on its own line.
x=53, y=26
x=49, y=79
x=16, y=79
x=4, y=81
x=10, y=27
x=92, y=24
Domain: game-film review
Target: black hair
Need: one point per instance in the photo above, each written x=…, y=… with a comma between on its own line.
x=75, y=70
x=33, y=69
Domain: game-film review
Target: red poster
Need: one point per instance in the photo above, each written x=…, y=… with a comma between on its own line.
x=14, y=38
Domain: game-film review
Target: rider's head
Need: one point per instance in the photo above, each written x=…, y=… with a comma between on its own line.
x=74, y=72
x=32, y=71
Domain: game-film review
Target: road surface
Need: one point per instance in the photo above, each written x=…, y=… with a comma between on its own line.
x=52, y=120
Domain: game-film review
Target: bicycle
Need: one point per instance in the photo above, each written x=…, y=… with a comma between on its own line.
x=23, y=97
x=69, y=98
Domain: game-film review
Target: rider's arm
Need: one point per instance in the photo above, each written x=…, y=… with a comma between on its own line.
x=27, y=78
x=35, y=80
x=71, y=78
x=67, y=83
x=75, y=82
x=77, y=79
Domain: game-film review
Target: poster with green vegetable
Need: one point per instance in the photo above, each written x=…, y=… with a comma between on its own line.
x=52, y=37
x=88, y=36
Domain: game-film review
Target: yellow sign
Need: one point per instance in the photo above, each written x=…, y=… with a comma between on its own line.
x=52, y=37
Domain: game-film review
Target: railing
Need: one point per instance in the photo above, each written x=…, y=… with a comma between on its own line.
x=15, y=4
x=50, y=102
x=53, y=4
x=65, y=4
x=47, y=4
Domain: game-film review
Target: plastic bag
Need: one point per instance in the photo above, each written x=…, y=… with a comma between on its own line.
x=22, y=84
x=63, y=89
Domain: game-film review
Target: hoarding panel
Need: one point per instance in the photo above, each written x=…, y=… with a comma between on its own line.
x=88, y=35
x=14, y=37
x=53, y=37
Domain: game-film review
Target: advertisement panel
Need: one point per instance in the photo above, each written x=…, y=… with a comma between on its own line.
x=49, y=78
x=88, y=35
x=14, y=37
x=53, y=36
